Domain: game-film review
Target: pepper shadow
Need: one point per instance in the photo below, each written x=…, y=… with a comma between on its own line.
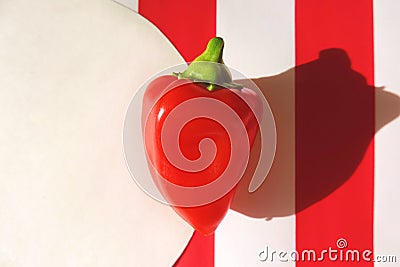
x=337, y=122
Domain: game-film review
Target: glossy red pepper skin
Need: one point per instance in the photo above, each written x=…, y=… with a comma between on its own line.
x=158, y=105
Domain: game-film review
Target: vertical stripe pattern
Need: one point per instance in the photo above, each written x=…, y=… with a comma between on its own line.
x=333, y=127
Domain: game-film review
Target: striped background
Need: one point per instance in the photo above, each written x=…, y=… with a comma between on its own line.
x=332, y=177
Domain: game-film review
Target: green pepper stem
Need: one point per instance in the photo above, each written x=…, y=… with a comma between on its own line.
x=209, y=68
x=213, y=52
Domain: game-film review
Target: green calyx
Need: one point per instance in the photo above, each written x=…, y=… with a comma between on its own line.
x=209, y=68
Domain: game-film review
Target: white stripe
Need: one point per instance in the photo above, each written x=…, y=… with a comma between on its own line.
x=387, y=141
x=259, y=42
x=259, y=35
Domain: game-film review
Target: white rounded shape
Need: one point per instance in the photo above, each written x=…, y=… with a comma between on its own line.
x=68, y=71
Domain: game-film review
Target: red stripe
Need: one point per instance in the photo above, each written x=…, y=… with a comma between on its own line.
x=334, y=127
x=198, y=253
x=188, y=25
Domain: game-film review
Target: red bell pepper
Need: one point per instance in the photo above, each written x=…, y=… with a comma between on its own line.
x=209, y=80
